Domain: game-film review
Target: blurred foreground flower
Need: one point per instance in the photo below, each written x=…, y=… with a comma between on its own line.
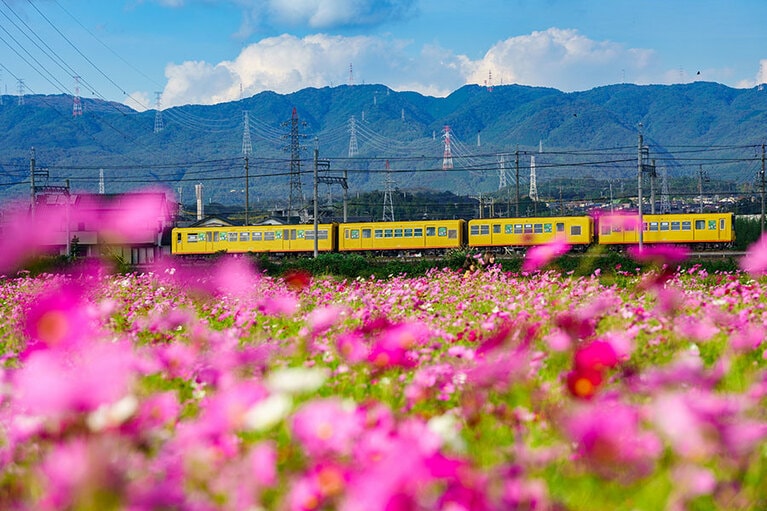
x=539, y=256
x=755, y=260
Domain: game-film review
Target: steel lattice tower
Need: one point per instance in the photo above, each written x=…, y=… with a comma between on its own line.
x=388, y=206
x=501, y=172
x=533, y=185
x=665, y=199
x=352, y=137
x=21, y=91
x=247, y=147
x=296, y=196
x=101, y=182
x=77, y=106
x=447, y=156
x=158, y=125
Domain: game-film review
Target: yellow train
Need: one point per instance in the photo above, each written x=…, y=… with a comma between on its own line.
x=426, y=236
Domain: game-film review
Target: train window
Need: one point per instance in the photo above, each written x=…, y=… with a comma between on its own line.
x=432, y=231
x=538, y=228
x=346, y=233
x=674, y=226
x=355, y=234
x=292, y=234
x=257, y=236
x=323, y=234
x=232, y=236
x=269, y=236
x=508, y=229
x=244, y=236
x=366, y=233
x=418, y=233
x=547, y=228
x=605, y=230
x=192, y=238
x=474, y=230
x=442, y=231
x=208, y=236
x=483, y=229
x=387, y=233
x=517, y=228
x=700, y=224
x=664, y=226
x=310, y=235
x=687, y=225
x=560, y=227
x=301, y=233
x=452, y=234
x=496, y=228
x=629, y=227
x=653, y=226
x=575, y=230
x=721, y=224
x=528, y=228
x=397, y=233
x=408, y=233
x=378, y=233
x=215, y=236
x=712, y=225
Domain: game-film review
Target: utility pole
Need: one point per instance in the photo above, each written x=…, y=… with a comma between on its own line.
x=32, y=180
x=702, y=176
x=762, y=179
x=316, y=209
x=640, y=227
x=516, y=167
x=652, y=189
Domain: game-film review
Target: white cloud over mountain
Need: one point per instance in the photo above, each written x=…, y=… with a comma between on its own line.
x=561, y=58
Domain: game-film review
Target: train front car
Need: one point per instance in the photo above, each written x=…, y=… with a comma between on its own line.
x=426, y=237
x=697, y=230
x=519, y=233
x=273, y=239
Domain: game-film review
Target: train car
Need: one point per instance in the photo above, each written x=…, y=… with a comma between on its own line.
x=524, y=232
x=416, y=235
x=276, y=239
x=715, y=229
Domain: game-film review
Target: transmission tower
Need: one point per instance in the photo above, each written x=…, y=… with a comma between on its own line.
x=247, y=148
x=533, y=186
x=296, y=196
x=77, y=107
x=101, y=182
x=501, y=172
x=21, y=91
x=351, y=75
x=1, y=86
x=447, y=156
x=352, y=137
x=665, y=200
x=388, y=206
x=158, y=125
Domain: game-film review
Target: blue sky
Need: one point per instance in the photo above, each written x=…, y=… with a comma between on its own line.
x=207, y=51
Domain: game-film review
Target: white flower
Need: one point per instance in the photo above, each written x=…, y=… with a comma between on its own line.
x=112, y=415
x=447, y=428
x=294, y=380
x=268, y=412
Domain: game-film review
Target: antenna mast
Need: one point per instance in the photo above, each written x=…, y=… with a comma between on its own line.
x=295, y=196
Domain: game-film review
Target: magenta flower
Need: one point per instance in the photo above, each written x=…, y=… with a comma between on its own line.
x=659, y=254
x=610, y=440
x=392, y=346
x=58, y=320
x=539, y=256
x=755, y=260
x=326, y=427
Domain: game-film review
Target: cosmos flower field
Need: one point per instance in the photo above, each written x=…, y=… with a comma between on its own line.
x=222, y=388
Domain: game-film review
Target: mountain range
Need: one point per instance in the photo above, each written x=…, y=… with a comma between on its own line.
x=473, y=141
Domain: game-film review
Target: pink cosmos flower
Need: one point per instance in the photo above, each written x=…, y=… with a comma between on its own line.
x=392, y=347
x=539, y=256
x=326, y=427
x=755, y=260
x=57, y=319
x=659, y=254
x=596, y=356
x=610, y=440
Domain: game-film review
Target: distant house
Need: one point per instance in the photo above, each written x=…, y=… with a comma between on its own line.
x=134, y=227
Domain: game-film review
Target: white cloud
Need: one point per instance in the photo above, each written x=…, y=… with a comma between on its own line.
x=139, y=101
x=761, y=77
x=324, y=14
x=560, y=58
